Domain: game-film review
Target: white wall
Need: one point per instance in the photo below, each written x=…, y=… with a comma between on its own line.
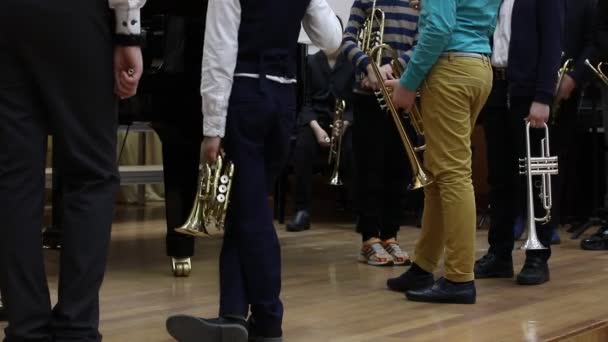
x=340, y=7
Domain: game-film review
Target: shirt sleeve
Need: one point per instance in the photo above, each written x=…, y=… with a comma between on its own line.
x=128, y=18
x=322, y=26
x=550, y=48
x=350, y=43
x=440, y=19
x=219, y=61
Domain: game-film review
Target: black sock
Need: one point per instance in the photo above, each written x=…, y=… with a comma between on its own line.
x=417, y=270
x=458, y=283
x=367, y=235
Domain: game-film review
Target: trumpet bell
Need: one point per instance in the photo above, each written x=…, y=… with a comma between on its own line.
x=335, y=179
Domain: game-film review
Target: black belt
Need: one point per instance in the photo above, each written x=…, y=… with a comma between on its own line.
x=500, y=74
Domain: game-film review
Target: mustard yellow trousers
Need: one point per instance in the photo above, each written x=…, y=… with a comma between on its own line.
x=452, y=96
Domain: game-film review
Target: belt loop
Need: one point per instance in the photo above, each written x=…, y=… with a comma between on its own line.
x=450, y=56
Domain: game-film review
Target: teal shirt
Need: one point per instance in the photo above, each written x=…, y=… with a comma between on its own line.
x=450, y=25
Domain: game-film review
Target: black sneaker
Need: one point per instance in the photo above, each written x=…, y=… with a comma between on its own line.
x=411, y=280
x=300, y=223
x=185, y=328
x=534, y=272
x=490, y=266
x=597, y=242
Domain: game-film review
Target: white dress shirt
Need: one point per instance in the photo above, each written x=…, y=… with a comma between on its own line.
x=128, y=18
x=221, y=49
x=502, y=35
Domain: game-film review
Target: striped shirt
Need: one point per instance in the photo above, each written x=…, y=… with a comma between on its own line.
x=400, y=30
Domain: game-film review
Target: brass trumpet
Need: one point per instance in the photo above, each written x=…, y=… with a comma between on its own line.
x=544, y=166
x=421, y=177
x=208, y=213
x=566, y=68
x=335, y=150
x=371, y=43
x=598, y=71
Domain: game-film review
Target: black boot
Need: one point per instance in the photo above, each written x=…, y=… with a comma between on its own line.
x=185, y=328
x=597, y=242
x=534, y=272
x=491, y=266
x=2, y=311
x=414, y=279
x=300, y=223
x=444, y=291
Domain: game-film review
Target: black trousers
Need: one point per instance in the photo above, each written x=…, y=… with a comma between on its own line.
x=381, y=169
x=505, y=139
x=180, y=131
x=564, y=145
x=261, y=117
x=56, y=75
x=306, y=155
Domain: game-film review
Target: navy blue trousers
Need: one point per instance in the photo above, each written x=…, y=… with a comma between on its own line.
x=261, y=117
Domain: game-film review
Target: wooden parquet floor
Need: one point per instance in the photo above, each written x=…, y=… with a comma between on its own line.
x=328, y=296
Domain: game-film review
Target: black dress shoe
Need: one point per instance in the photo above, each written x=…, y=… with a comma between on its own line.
x=411, y=280
x=2, y=311
x=534, y=272
x=597, y=242
x=444, y=291
x=491, y=266
x=300, y=223
x=185, y=328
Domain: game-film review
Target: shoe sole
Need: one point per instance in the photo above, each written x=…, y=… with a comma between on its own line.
x=440, y=301
x=192, y=329
x=405, y=263
x=531, y=282
x=297, y=229
x=375, y=263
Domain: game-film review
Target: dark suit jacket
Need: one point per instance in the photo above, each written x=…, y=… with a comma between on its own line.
x=535, y=48
x=579, y=32
x=602, y=28
x=327, y=84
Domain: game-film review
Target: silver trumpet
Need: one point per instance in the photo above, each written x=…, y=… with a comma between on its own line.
x=544, y=166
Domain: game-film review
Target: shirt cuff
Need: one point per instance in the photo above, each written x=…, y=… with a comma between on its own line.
x=214, y=126
x=128, y=21
x=544, y=98
x=409, y=81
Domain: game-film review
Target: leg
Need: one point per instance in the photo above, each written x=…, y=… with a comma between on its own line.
x=305, y=154
x=83, y=113
x=180, y=159
x=395, y=179
x=455, y=92
x=23, y=134
x=369, y=143
x=502, y=174
x=368, y=150
x=256, y=139
x=503, y=177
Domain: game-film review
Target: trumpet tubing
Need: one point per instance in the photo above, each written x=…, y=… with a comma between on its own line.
x=335, y=150
x=565, y=69
x=421, y=177
x=544, y=167
x=598, y=71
